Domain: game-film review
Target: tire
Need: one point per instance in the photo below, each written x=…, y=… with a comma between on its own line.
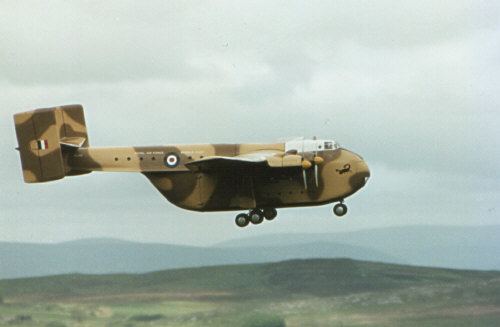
x=340, y=209
x=256, y=216
x=242, y=220
x=270, y=213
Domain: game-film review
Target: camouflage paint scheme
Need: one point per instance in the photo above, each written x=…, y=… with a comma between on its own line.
x=201, y=177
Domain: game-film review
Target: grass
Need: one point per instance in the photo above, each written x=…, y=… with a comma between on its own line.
x=330, y=292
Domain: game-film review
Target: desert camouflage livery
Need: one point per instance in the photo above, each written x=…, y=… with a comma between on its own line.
x=53, y=143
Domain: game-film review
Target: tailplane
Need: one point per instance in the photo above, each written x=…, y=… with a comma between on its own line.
x=45, y=137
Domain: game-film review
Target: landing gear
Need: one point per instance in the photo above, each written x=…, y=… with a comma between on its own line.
x=340, y=209
x=255, y=216
x=242, y=220
x=270, y=213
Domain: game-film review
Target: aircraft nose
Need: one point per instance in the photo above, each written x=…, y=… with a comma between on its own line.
x=362, y=171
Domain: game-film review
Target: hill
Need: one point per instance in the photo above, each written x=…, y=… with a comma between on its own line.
x=101, y=256
x=318, y=277
x=436, y=246
x=461, y=247
x=320, y=292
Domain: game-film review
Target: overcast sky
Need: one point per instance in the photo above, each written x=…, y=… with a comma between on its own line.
x=412, y=86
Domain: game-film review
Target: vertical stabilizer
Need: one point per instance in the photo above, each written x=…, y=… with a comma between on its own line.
x=43, y=135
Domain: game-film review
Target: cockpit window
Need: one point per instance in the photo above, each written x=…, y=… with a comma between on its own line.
x=303, y=146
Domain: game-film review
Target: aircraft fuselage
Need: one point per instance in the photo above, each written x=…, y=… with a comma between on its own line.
x=53, y=144
x=341, y=174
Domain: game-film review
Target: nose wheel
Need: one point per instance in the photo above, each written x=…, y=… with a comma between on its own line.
x=340, y=209
x=255, y=216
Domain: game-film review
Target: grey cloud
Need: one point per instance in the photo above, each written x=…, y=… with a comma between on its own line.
x=113, y=41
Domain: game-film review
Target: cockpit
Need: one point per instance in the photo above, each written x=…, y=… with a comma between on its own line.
x=310, y=145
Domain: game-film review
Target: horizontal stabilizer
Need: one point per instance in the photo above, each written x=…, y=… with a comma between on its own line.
x=74, y=142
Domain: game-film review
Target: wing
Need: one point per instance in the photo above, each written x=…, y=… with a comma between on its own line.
x=264, y=159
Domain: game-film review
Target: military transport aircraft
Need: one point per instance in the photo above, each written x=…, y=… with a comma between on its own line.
x=260, y=178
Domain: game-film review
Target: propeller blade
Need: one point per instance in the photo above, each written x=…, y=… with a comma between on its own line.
x=304, y=176
x=316, y=175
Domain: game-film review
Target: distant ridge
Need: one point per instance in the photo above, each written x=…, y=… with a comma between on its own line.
x=461, y=247
x=398, y=233
x=98, y=240
x=434, y=246
x=103, y=256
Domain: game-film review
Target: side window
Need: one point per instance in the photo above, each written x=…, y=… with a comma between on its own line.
x=328, y=145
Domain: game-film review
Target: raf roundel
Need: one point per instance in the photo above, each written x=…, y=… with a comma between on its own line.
x=172, y=160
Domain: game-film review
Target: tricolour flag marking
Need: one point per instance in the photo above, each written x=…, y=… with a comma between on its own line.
x=42, y=144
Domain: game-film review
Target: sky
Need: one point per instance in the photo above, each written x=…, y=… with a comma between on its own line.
x=413, y=86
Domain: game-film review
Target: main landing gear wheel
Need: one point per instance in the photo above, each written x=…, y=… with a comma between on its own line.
x=340, y=209
x=242, y=220
x=256, y=216
x=270, y=213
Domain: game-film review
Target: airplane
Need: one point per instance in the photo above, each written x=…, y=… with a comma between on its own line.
x=256, y=178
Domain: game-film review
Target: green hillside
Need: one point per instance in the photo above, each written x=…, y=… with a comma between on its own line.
x=326, y=292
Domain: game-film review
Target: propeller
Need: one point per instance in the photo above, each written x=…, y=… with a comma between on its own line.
x=317, y=161
x=307, y=164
